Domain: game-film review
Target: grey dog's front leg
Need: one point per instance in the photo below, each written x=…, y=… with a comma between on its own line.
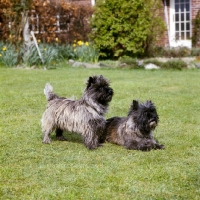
x=46, y=138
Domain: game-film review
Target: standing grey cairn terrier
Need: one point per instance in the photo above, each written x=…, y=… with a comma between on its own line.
x=136, y=130
x=84, y=116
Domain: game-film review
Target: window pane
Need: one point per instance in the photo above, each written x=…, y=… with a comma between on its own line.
x=176, y=17
x=182, y=27
x=187, y=16
x=187, y=7
x=187, y=26
x=176, y=1
x=182, y=36
x=177, y=27
x=176, y=8
x=182, y=7
x=177, y=36
x=187, y=35
x=182, y=17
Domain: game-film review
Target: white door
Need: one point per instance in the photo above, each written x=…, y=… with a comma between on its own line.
x=180, y=23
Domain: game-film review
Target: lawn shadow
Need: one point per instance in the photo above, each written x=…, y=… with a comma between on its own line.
x=71, y=137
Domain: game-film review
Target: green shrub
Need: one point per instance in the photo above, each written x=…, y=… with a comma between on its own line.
x=31, y=57
x=49, y=53
x=177, y=52
x=170, y=64
x=132, y=63
x=154, y=61
x=123, y=27
x=195, y=52
x=8, y=55
x=85, y=52
x=174, y=64
x=65, y=51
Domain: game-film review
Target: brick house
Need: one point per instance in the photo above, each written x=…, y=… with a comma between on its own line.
x=178, y=16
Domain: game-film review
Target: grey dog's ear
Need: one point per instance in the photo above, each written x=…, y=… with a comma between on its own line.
x=90, y=81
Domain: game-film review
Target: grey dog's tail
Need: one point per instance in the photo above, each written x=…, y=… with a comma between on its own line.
x=48, y=91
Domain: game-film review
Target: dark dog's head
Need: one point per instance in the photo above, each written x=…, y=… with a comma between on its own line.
x=144, y=116
x=99, y=90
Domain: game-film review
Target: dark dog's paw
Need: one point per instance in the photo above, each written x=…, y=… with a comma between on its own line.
x=159, y=146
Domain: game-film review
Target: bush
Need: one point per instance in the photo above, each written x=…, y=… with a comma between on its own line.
x=123, y=27
x=11, y=55
x=170, y=64
x=177, y=52
x=174, y=64
x=154, y=61
x=132, y=63
x=195, y=52
x=8, y=55
x=85, y=52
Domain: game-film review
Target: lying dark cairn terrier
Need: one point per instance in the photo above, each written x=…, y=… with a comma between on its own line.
x=136, y=130
x=84, y=116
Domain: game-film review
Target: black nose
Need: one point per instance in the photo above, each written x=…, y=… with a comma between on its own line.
x=110, y=91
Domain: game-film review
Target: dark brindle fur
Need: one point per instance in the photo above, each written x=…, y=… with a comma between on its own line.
x=136, y=130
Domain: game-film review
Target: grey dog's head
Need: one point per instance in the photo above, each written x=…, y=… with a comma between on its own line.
x=144, y=116
x=98, y=89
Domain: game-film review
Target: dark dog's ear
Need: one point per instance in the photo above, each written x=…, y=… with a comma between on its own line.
x=149, y=104
x=135, y=105
x=90, y=81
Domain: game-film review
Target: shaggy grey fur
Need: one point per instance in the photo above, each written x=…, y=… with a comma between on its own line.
x=136, y=130
x=84, y=116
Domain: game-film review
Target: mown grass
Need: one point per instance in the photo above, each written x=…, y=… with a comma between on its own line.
x=67, y=170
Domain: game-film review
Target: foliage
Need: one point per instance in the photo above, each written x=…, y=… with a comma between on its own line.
x=129, y=62
x=13, y=14
x=85, y=52
x=195, y=52
x=174, y=64
x=65, y=51
x=11, y=55
x=49, y=53
x=123, y=27
x=31, y=57
x=72, y=20
x=196, y=31
x=67, y=170
x=8, y=55
x=170, y=64
x=158, y=51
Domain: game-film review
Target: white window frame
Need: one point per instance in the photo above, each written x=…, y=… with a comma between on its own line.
x=177, y=42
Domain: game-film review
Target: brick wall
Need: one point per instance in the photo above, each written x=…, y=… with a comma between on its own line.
x=195, y=7
x=164, y=41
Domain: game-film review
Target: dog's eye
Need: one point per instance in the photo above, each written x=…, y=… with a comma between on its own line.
x=101, y=89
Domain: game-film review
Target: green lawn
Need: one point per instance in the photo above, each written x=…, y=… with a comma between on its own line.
x=67, y=170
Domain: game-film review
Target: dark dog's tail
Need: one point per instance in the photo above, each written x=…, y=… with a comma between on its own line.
x=48, y=91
